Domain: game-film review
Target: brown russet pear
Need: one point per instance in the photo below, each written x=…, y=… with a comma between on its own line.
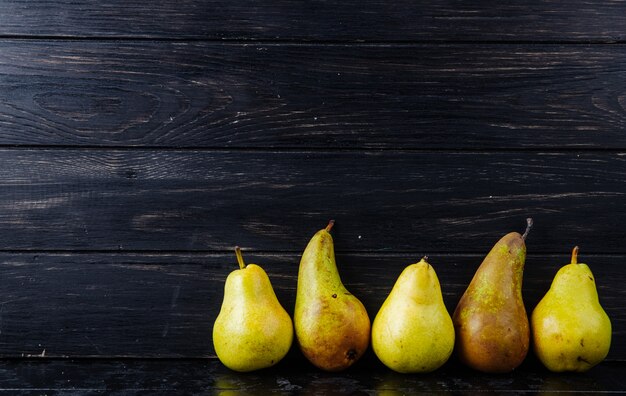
x=332, y=326
x=252, y=330
x=492, y=330
x=571, y=331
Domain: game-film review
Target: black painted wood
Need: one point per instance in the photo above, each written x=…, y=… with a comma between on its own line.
x=421, y=97
x=165, y=377
x=318, y=20
x=274, y=201
x=181, y=131
x=164, y=306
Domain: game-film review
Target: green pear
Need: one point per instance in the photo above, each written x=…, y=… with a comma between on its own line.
x=413, y=331
x=492, y=330
x=332, y=326
x=252, y=330
x=571, y=331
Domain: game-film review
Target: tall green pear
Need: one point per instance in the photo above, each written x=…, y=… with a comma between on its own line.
x=492, y=330
x=571, y=331
x=413, y=331
x=252, y=330
x=332, y=326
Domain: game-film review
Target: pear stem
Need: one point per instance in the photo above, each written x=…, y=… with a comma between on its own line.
x=529, y=225
x=575, y=255
x=242, y=264
x=330, y=225
x=425, y=258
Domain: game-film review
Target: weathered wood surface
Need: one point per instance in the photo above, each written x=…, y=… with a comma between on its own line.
x=208, y=377
x=140, y=143
x=417, y=97
x=273, y=201
x=536, y=20
x=164, y=305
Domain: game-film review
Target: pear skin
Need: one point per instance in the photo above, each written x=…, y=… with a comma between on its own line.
x=332, y=326
x=492, y=329
x=571, y=330
x=252, y=330
x=413, y=331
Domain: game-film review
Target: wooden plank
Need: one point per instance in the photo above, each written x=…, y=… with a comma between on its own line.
x=165, y=377
x=312, y=96
x=164, y=305
x=274, y=201
x=318, y=20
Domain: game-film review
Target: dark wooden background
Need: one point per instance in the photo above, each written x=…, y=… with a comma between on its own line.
x=141, y=141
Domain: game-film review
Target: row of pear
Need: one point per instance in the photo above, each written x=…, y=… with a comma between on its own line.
x=413, y=332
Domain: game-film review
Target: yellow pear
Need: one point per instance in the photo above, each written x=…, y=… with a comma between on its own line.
x=571, y=331
x=252, y=330
x=413, y=331
x=332, y=326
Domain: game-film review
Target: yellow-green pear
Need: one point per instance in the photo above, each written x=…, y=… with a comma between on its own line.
x=571, y=331
x=332, y=326
x=252, y=330
x=413, y=331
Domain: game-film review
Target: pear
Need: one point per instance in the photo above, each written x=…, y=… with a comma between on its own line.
x=492, y=330
x=252, y=330
x=571, y=331
x=413, y=331
x=332, y=326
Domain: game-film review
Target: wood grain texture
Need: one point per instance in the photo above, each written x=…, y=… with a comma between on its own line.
x=140, y=143
x=318, y=20
x=167, y=377
x=478, y=96
x=274, y=201
x=164, y=305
